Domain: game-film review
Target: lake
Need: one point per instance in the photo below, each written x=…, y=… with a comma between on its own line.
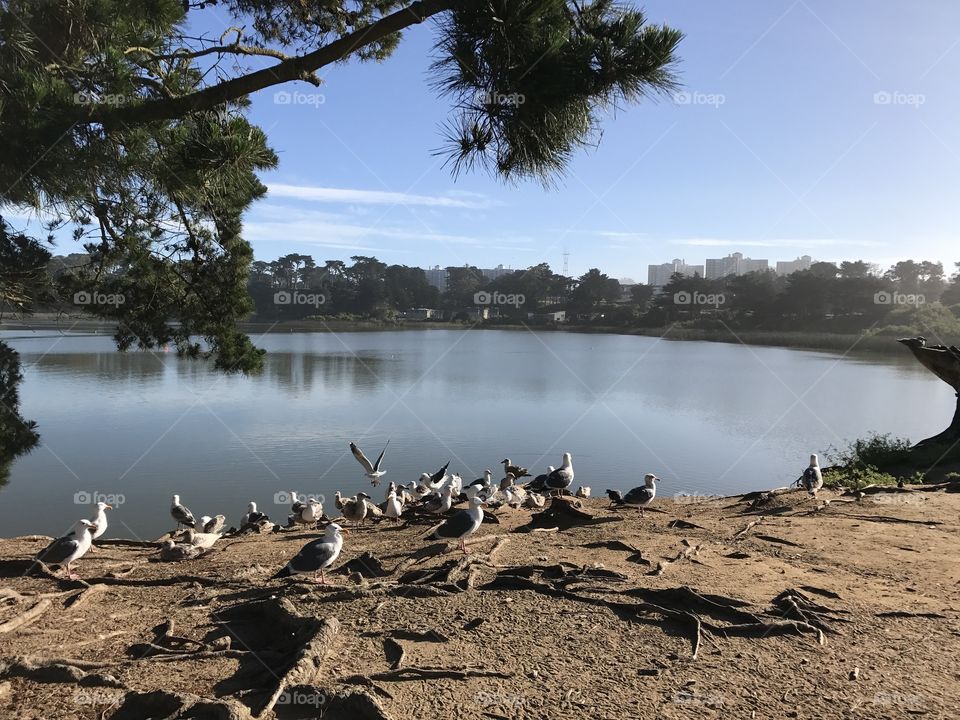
x=709, y=418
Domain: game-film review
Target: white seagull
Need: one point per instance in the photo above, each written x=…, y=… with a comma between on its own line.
x=371, y=470
x=812, y=477
x=640, y=497
x=394, y=508
x=316, y=556
x=69, y=548
x=253, y=515
x=101, y=519
x=462, y=524
x=181, y=514
x=561, y=478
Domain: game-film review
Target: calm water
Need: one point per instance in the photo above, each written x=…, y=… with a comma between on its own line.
x=708, y=418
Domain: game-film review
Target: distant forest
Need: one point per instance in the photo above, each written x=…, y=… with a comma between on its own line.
x=849, y=297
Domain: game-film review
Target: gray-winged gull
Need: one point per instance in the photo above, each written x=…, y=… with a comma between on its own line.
x=515, y=470
x=640, y=497
x=316, y=556
x=69, y=548
x=561, y=478
x=181, y=514
x=812, y=477
x=373, y=471
x=462, y=524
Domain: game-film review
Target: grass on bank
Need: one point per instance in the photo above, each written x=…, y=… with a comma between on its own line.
x=886, y=460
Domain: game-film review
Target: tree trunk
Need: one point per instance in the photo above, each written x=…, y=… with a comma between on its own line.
x=950, y=435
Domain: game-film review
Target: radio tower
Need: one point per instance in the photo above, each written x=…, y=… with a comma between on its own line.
x=566, y=261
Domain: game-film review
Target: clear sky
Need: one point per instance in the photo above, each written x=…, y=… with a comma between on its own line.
x=806, y=127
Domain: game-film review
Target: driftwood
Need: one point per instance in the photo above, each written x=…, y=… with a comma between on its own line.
x=741, y=534
x=27, y=617
x=562, y=513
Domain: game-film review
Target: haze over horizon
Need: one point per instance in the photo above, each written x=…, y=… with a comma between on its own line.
x=803, y=127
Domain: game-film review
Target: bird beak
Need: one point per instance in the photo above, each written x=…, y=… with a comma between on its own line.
x=344, y=531
x=109, y=507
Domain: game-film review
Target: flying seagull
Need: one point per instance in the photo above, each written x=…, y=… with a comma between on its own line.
x=461, y=524
x=181, y=514
x=812, y=477
x=373, y=470
x=640, y=497
x=69, y=548
x=561, y=478
x=316, y=556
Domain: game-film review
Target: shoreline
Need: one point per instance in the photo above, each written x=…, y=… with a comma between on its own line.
x=795, y=340
x=714, y=604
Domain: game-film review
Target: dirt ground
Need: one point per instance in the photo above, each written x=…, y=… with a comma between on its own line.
x=841, y=607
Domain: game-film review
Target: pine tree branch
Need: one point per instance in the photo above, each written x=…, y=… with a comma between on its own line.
x=294, y=68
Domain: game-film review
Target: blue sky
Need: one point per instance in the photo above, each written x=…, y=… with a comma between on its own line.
x=805, y=127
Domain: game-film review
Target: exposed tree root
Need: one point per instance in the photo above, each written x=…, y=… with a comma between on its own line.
x=305, y=668
x=686, y=554
x=57, y=670
x=426, y=673
x=27, y=617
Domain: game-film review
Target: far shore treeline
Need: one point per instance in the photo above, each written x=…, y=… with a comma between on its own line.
x=849, y=297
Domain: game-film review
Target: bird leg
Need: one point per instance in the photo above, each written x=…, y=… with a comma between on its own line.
x=464, y=547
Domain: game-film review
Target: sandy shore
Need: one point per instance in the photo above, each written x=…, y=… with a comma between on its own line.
x=729, y=607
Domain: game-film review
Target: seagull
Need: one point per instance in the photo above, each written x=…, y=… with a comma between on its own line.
x=253, y=516
x=181, y=514
x=312, y=512
x=515, y=470
x=296, y=506
x=640, y=497
x=440, y=503
x=540, y=481
x=171, y=551
x=615, y=497
x=461, y=524
x=355, y=508
x=212, y=524
x=202, y=540
x=101, y=519
x=583, y=491
x=480, y=485
x=373, y=470
x=316, y=556
x=437, y=477
x=561, y=478
x=394, y=508
x=812, y=477
x=69, y=548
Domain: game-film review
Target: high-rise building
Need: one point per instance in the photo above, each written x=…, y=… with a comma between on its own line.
x=494, y=273
x=733, y=264
x=659, y=275
x=785, y=267
x=437, y=276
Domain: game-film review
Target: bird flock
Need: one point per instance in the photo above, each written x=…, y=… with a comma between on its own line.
x=431, y=496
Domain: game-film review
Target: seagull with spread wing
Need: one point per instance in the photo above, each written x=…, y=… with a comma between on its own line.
x=371, y=470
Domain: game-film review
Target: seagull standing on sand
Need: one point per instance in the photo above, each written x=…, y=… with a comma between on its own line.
x=812, y=477
x=561, y=478
x=101, y=519
x=253, y=515
x=69, y=548
x=371, y=470
x=394, y=508
x=640, y=497
x=462, y=524
x=355, y=508
x=316, y=556
x=181, y=514
x=212, y=524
